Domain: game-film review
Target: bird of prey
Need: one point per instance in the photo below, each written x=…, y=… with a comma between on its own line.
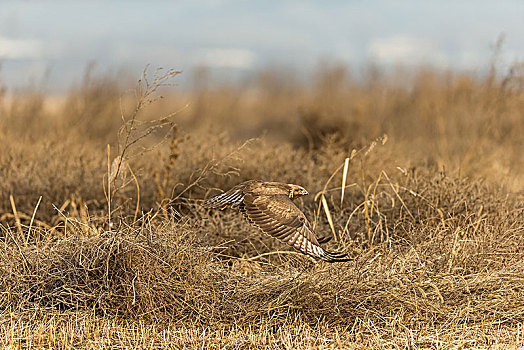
x=269, y=206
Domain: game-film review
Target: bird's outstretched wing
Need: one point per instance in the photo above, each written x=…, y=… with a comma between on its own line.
x=279, y=217
x=233, y=197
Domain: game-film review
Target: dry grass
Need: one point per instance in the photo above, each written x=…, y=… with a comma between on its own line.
x=80, y=331
x=108, y=247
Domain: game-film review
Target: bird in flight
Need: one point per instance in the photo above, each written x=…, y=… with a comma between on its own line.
x=269, y=206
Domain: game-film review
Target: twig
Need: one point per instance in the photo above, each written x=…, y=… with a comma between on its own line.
x=398, y=196
x=344, y=177
x=273, y=253
x=137, y=193
x=109, y=185
x=15, y=213
x=32, y=219
x=328, y=215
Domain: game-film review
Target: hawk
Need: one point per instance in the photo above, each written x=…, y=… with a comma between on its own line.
x=269, y=206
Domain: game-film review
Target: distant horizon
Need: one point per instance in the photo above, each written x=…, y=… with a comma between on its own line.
x=50, y=44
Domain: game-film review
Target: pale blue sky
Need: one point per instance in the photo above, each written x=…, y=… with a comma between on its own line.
x=236, y=37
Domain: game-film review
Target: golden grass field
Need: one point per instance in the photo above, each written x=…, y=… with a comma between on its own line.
x=105, y=244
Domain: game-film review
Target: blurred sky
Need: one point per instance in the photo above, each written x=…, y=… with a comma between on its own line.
x=49, y=43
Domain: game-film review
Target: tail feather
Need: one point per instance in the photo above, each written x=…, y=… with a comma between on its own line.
x=335, y=257
x=324, y=239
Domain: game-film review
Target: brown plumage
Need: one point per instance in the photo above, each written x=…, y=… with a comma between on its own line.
x=269, y=206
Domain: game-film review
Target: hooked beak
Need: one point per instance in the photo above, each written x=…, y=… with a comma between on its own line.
x=297, y=191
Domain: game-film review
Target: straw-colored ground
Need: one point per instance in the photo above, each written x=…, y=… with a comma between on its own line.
x=108, y=246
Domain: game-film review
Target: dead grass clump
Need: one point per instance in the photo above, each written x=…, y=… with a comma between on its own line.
x=48, y=168
x=130, y=272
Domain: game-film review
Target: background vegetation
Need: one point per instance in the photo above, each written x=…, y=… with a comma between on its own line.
x=104, y=242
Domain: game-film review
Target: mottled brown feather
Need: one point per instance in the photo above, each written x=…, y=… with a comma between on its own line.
x=268, y=205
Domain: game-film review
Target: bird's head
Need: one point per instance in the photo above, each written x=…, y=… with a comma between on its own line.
x=296, y=191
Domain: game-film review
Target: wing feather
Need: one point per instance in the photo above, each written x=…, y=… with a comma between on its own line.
x=279, y=217
x=233, y=197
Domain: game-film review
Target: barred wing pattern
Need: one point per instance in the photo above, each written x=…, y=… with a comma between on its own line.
x=279, y=217
x=233, y=197
x=268, y=206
